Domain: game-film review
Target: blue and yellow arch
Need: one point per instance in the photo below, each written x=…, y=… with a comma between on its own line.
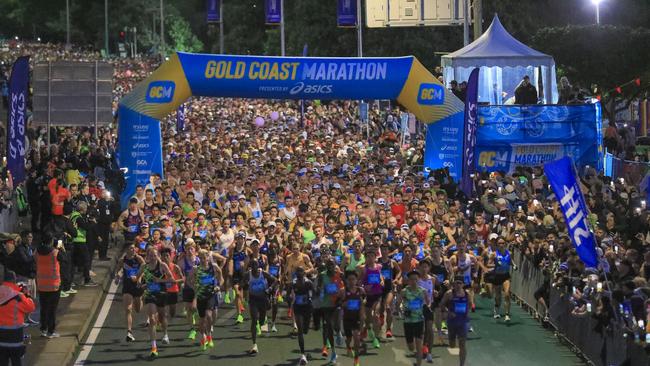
x=403, y=79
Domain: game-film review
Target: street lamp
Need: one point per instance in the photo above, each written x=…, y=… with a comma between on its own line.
x=597, y=4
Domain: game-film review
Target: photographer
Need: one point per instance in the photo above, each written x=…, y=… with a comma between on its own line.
x=48, y=276
x=61, y=228
x=83, y=223
x=15, y=304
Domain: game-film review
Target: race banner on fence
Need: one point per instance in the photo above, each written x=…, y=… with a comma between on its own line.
x=213, y=14
x=273, y=12
x=561, y=175
x=346, y=13
x=18, y=88
x=469, y=135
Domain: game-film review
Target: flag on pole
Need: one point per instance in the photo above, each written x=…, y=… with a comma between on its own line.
x=469, y=135
x=180, y=118
x=561, y=176
x=213, y=14
x=346, y=13
x=273, y=12
x=17, y=115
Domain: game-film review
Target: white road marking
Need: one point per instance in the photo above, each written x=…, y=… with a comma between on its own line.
x=453, y=351
x=97, y=327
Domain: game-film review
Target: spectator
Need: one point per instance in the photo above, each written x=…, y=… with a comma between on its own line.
x=15, y=304
x=525, y=93
x=48, y=274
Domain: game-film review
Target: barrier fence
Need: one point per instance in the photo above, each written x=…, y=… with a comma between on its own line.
x=632, y=171
x=609, y=348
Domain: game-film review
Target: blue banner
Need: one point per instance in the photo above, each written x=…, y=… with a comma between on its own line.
x=273, y=11
x=296, y=77
x=213, y=12
x=469, y=135
x=18, y=87
x=140, y=149
x=561, y=176
x=346, y=13
x=180, y=118
x=443, y=147
x=363, y=111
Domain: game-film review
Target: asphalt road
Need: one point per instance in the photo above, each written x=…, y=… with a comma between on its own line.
x=520, y=342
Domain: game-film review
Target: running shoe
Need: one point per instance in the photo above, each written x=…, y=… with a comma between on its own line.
x=165, y=339
x=53, y=335
x=44, y=333
x=473, y=308
x=349, y=352
x=425, y=350
x=280, y=299
x=328, y=345
x=274, y=329
x=357, y=361
x=210, y=342
x=130, y=337
x=64, y=294
x=154, y=352
x=240, y=319
x=429, y=358
x=72, y=291
x=375, y=343
x=324, y=352
x=443, y=325
x=303, y=360
x=192, y=335
x=226, y=297
x=265, y=328
x=290, y=313
x=496, y=315
x=507, y=317
x=259, y=329
x=471, y=329
x=204, y=345
x=333, y=358
x=389, y=334
x=254, y=350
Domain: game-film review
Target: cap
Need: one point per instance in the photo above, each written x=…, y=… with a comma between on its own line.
x=381, y=201
x=201, y=211
x=241, y=197
x=336, y=186
x=493, y=236
x=240, y=234
x=405, y=227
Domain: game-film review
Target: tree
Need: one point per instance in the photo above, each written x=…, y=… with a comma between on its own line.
x=182, y=38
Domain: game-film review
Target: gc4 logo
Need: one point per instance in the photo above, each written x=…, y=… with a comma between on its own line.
x=160, y=91
x=431, y=94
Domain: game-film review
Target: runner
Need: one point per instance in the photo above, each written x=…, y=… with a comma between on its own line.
x=187, y=261
x=275, y=270
x=353, y=314
x=441, y=269
x=238, y=263
x=130, y=221
x=464, y=265
x=456, y=302
x=259, y=283
x=331, y=290
x=206, y=278
x=414, y=299
x=173, y=287
x=373, y=285
x=391, y=273
x=501, y=278
x=129, y=265
x=154, y=275
x=302, y=290
x=428, y=283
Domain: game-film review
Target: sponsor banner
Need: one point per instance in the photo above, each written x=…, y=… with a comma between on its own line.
x=17, y=115
x=346, y=13
x=444, y=144
x=213, y=13
x=273, y=11
x=562, y=178
x=469, y=135
x=140, y=149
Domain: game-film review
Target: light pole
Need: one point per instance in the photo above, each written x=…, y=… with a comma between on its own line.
x=597, y=4
x=282, y=27
x=221, y=47
x=162, y=31
x=106, y=27
x=67, y=23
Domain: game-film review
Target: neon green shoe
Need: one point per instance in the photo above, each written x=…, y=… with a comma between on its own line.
x=371, y=334
x=280, y=298
x=226, y=297
x=375, y=343
x=259, y=329
x=204, y=346
x=194, y=318
x=328, y=344
x=192, y=335
x=240, y=319
x=210, y=343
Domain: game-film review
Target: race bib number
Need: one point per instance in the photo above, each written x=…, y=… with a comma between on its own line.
x=130, y=272
x=258, y=286
x=143, y=245
x=154, y=287
x=274, y=270
x=301, y=300
x=387, y=273
x=237, y=265
x=374, y=279
x=415, y=304
x=206, y=280
x=460, y=308
x=440, y=277
x=331, y=289
x=133, y=228
x=354, y=304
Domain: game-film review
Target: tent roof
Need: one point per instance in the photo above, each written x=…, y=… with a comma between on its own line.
x=496, y=47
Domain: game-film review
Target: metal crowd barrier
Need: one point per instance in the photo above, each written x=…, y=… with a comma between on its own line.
x=607, y=349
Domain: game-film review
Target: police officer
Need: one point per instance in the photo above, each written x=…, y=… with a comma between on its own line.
x=15, y=303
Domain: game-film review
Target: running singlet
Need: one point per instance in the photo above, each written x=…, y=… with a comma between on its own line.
x=372, y=279
x=238, y=259
x=330, y=289
x=502, y=262
x=152, y=287
x=387, y=273
x=131, y=268
x=427, y=285
x=188, y=266
x=352, y=304
x=302, y=292
x=132, y=223
x=459, y=306
x=257, y=286
x=465, y=267
x=205, y=282
x=440, y=272
x=354, y=262
x=413, y=303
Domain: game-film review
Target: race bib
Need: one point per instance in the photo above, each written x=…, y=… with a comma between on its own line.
x=467, y=279
x=237, y=265
x=354, y=304
x=337, y=259
x=415, y=304
x=440, y=277
x=331, y=289
x=374, y=279
x=274, y=270
x=258, y=286
x=387, y=273
x=203, y=233
x=398, y=257
x=460, y=308
x=206, y=280
x=143, y=245
x=133, y=228
x=301, y=300
x=130, y=272
x=154, y=287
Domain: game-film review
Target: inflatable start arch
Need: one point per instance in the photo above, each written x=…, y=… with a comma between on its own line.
x=403, y=79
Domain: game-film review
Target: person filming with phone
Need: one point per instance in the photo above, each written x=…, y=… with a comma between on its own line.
x=49, y=254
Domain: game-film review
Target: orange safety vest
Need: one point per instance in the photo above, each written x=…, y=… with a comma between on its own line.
x=48, y=272
x=14, y=306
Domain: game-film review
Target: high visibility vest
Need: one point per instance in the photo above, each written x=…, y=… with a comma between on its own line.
x=48, y=272
x=81, y=233
x=12, y=316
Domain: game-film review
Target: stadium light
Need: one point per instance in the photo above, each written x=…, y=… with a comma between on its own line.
x=597, y=4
